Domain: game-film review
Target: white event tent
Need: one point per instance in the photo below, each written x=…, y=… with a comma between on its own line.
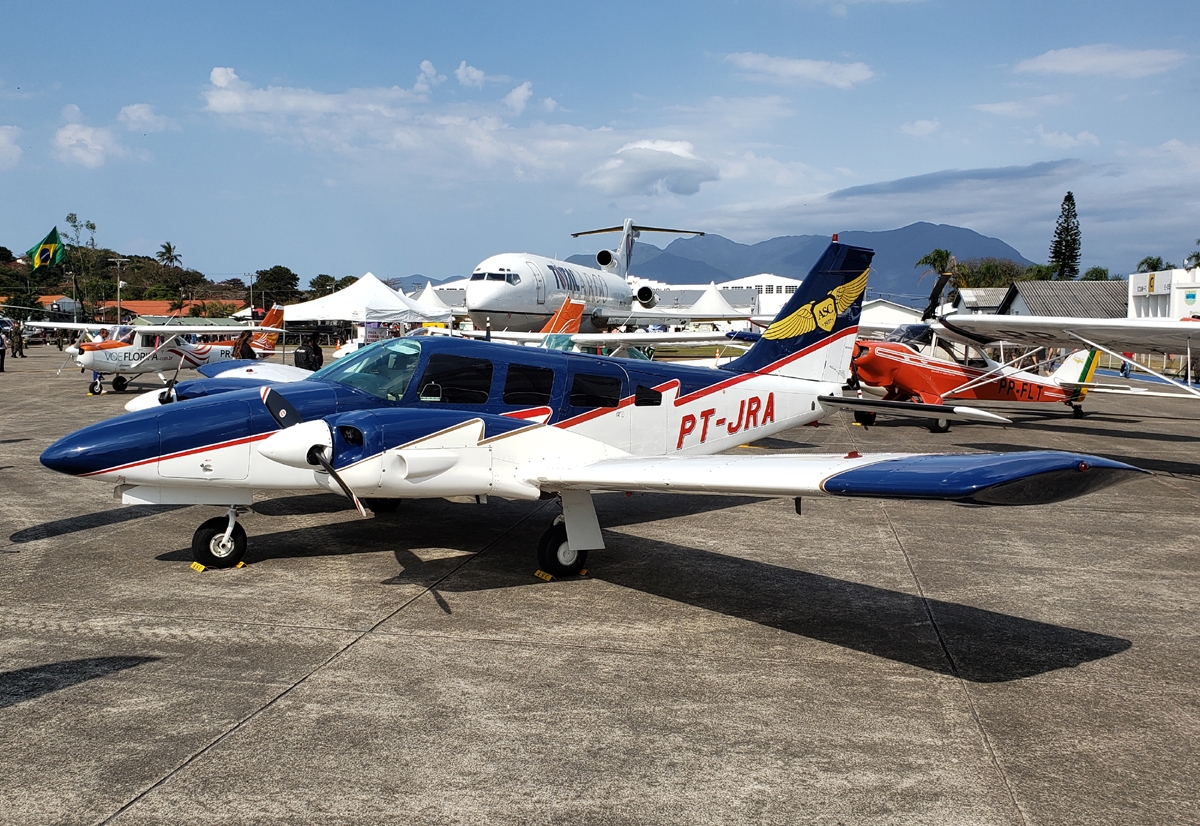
x=367, y=299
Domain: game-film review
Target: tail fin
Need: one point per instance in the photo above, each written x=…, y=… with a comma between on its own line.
x=1077, y=369
x=813, y=335
x=618, y=260
x=266, y=341
x=567, y=319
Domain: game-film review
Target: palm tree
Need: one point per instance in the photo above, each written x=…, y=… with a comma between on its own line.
x=167, y=256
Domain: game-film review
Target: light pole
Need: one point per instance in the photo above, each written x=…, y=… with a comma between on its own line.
x=119, y=262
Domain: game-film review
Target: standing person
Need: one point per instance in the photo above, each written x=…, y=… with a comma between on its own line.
x=3, y=350
x=242, y=348
x=315, y=356
x=18, y=340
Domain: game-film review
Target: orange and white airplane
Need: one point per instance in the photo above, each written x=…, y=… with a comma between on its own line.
x=128, y=352
x=913, y=366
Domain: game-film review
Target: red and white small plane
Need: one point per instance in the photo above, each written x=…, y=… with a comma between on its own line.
x=914, y=366
x=129, y=352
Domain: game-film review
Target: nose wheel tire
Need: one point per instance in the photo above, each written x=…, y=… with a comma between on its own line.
x=96, y=388
x=212, y=550
x=555, y=557
x=866, y=418
x=939, y=426
x=119, y=384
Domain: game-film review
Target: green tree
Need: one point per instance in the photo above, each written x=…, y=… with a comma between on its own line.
x=22, y=306
x=168, y=256
x=1039, y=272
x=321, y=285
x=5, y=255
x=1099, y=274
x=1064, y=251
x=988, y=272
x=81, y=258
x=278, y=284
x=1154, y=263
x=343, y=283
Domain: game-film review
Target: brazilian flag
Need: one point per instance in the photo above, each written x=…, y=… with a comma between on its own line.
x=47, y=253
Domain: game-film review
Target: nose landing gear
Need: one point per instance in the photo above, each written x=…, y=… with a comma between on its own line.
x=220, y=542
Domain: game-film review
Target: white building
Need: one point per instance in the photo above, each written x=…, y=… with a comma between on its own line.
x=1165, y=294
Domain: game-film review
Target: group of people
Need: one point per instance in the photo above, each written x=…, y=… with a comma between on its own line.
x=11, y=339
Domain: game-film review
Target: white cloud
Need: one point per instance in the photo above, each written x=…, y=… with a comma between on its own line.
x=652, y=167
x=469, y=75
x=88, y=146
x=140, y=117
x=549, y=104
x=800, y=70
x=1104, y=60
x=921, y=128
x=427, y=79
x=1026, y=108
x=71, y=113
x=230, y=95
x=10, y=149
x=518, y=97
x=1061, y=140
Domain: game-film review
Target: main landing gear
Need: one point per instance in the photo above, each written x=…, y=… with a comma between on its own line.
x=939, y=425
x=119, y=383
x=1077, y=411
x=555, y=555
x=220, y=542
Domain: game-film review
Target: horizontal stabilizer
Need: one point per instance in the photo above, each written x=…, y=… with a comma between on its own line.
x=1026, y=478
x=913, y=409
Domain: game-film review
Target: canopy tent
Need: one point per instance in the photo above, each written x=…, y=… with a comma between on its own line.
x=367, y=299
x=430, y=299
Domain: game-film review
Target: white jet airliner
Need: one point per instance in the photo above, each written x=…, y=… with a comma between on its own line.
x=519, y=292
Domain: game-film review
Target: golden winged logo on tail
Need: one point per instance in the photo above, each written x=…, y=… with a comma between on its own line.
x=804, y=321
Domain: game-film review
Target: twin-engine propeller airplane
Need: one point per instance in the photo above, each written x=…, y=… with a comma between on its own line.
x=519, y=291
x=913, y=365
x=128, y=352
x=447, y=417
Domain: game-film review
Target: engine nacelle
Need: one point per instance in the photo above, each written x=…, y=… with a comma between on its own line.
x=606, y=260
x=293, y=446
x=646, y=297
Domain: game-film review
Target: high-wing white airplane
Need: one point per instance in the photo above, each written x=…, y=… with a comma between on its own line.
x=1114, y=336
x=519, y=291
x=414, y=418
x=128, y=352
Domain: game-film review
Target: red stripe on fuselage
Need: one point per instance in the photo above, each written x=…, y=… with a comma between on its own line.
x=216, y=446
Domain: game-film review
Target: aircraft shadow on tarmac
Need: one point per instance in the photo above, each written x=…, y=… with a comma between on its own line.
x=38, y=680
x=87, y=521
x=1156, y=465
x=944, y=637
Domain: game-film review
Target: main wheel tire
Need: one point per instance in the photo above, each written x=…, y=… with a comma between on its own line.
x=866, y=418
x=382, y=505
x=1077, y=412
x=210, y=549
x=96, y=388
x=939, y=426
x=555, y=557
x=119, y=383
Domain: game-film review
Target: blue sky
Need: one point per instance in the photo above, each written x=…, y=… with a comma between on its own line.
x=406, y=138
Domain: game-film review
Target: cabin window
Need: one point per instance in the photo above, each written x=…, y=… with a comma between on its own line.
x=455, y=380
x=595, y=391
x=646, y=397
x=528, y=386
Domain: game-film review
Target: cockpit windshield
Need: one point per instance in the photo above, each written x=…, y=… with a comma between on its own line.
x=912, y=334
x=508, y=275
x=384, y=369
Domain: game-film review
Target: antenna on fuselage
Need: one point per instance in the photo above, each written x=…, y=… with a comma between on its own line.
x=618, y=260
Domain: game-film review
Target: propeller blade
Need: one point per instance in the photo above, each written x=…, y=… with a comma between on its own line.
x=281, y=410
x=285, y=415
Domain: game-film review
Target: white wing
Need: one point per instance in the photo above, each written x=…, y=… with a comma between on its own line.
x=1124, y=335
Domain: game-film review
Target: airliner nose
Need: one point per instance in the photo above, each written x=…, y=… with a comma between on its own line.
x=104, y=445
x=484, y=295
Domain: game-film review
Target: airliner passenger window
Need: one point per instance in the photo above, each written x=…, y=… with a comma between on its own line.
x=455, y=380
x=595, y=391
x=527, y=385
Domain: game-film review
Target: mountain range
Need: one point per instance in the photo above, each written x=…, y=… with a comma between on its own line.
x=701, y=259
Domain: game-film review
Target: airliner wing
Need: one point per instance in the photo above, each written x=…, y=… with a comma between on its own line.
x=1124, y=335
x=1026, y=478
